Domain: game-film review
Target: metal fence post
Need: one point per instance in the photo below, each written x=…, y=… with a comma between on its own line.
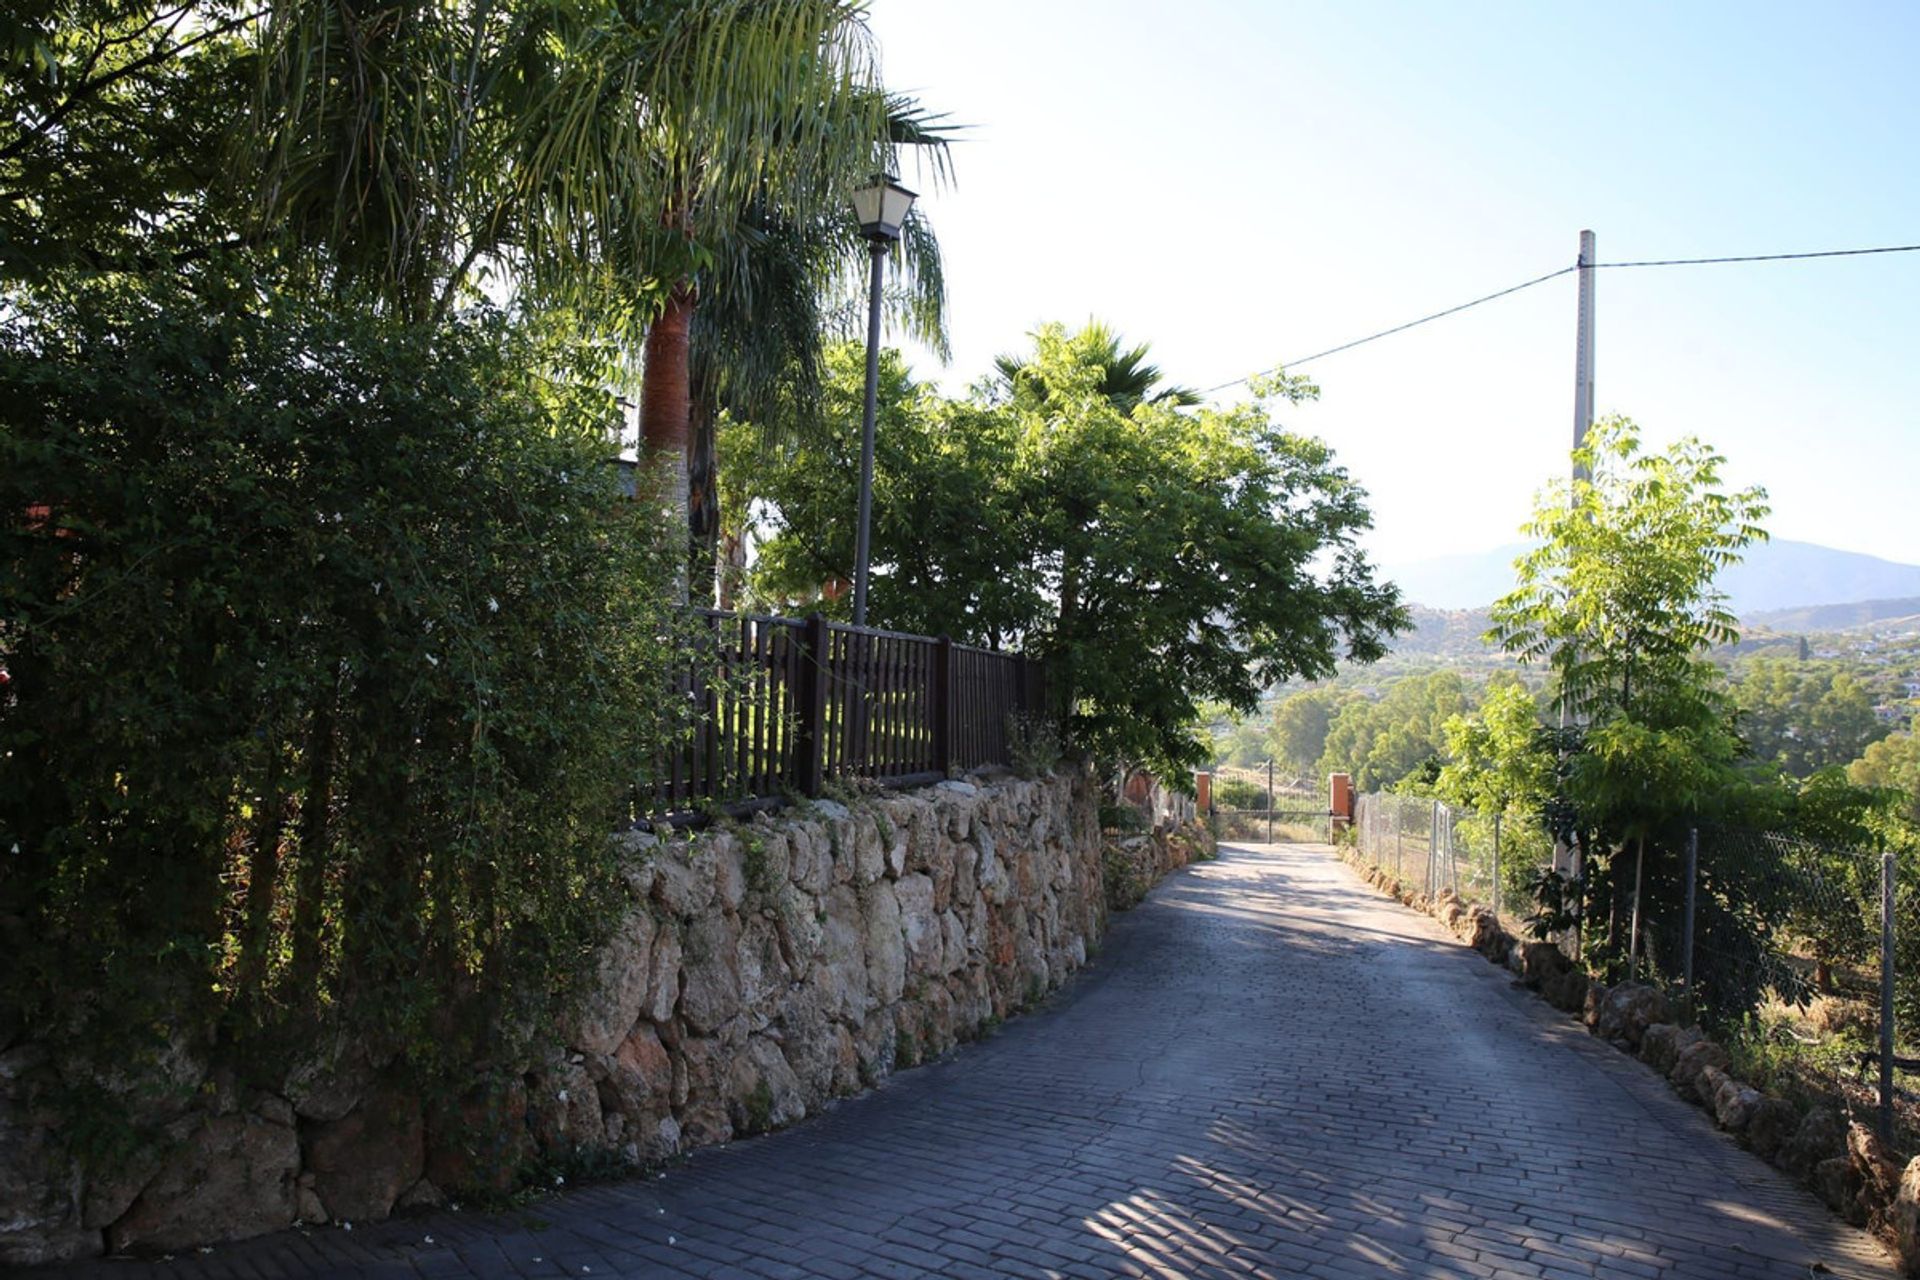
x=1495, y=895
x=1886, y=996
x=1686, y=931
x=1433, y=847
x=1269, y=799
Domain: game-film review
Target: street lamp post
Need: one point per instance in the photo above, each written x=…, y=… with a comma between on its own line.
x=880, y=209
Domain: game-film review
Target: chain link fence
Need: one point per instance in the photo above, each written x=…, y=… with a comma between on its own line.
x=1805, y=955
x=1431, y=847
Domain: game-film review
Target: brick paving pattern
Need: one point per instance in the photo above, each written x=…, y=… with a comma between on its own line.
x=1272, y=1071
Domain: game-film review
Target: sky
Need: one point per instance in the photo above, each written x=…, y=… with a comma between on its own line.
x=1243, y=182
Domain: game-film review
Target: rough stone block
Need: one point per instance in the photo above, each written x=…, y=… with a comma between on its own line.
x=232, y=1178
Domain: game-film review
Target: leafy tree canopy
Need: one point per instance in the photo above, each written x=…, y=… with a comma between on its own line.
x=1382, y=742
x=1157, y=557
x=1805, y=716
x=1619, y=597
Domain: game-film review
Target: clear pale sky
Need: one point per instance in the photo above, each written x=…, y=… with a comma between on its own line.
x=1243, y=182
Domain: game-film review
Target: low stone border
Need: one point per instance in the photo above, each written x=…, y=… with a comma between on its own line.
x=1841, y=1161
x=1134, y=861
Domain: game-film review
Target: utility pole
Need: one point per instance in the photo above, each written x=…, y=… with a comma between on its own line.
x=1583, y=355
x=1566, y=857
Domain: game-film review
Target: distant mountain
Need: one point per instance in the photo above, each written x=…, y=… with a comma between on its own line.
x=1779, y=575
x=1837, y=617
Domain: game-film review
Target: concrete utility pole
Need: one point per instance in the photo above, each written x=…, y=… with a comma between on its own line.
x=1583, y=355
x=1566, y=858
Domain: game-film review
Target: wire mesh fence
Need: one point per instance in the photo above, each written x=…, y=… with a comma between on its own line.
x=1805, y=955
x=1433, y=846
x=1809, y=950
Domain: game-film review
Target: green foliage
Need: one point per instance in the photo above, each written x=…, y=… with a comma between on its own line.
x=1804, y=716
x=1033, y=744
x=1498, y=759
x=1237, y=793
x=1301, y=723
x=1556, y=898
x=1619, y=598
x=759, y=1108
x=1381, y=742
x=333, y=657
x=1892, y=763
x=1127, y=882
x=759, y=865
x=1157, y=558
x=116, y=121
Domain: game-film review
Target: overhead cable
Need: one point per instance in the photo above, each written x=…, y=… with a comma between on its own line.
x=1551, y=275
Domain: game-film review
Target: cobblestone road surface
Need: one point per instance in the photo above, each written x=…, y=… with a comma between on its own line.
x=1272, y=1071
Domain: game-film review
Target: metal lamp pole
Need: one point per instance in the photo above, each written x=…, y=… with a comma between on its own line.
x=880, y=208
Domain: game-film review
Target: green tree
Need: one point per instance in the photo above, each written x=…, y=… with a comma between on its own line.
x=772, y=299
x=1157, y=558
x=1499, y=760
x=1804, y=716
x=1385, y=741
x=1618, y=598
x=1301, y=721
x=1619, y=601
x=1892, y=763
x=616, y=166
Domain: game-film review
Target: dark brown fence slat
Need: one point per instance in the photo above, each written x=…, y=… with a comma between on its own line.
x=780, y=704
x=896, y=685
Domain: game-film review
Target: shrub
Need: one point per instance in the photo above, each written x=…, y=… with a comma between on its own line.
x=333, y=658
x=1238, y=793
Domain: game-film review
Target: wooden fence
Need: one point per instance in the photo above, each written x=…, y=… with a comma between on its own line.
x=783, y=705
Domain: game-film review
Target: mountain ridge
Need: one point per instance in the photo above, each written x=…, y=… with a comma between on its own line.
x=1777, y=577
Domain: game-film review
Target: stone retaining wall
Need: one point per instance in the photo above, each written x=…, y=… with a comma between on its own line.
x=1135, y=861
x=760, y=970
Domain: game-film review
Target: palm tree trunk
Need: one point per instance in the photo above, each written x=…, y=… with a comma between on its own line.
x=666, y=408
x=703, y=488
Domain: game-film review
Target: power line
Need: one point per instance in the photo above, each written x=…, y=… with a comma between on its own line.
x=1528, y=284
x=1399, y=328
x=1763, y=257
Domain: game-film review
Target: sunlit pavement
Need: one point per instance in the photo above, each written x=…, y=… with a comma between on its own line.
x=1271, y=1070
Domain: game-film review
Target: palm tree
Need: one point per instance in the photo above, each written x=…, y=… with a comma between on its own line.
x=776, y=292
x=1126, y=378
x=623, y=165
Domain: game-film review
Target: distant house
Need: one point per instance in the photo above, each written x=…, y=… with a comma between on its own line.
x=1912, y=688
x=1891, y=713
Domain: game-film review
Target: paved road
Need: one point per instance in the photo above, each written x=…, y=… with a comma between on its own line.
x=1272, y=1071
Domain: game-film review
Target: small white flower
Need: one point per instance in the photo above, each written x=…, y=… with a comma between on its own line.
x=432, y=661
x=346, y=1226
x=426, y=1239
x=562, y=1095
x=493, y=605
x=671, y=1240
x=559, y=1181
